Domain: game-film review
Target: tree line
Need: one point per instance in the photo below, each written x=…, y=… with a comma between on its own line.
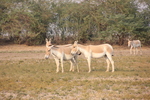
x=101, y=21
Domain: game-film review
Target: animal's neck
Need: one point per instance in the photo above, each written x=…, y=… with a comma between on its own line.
x=54, y=50
x=82, y=48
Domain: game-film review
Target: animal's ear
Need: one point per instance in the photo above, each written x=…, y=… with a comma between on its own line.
x=50, y=39
x=46, y=40
x=51, y=47
x=75, y=42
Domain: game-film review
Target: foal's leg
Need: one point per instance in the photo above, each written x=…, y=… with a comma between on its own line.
x=57, y=64
x=76, y=63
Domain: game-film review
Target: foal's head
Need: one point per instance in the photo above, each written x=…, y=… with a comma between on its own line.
x=48, y=42
x=75, y=48
x=47, y=53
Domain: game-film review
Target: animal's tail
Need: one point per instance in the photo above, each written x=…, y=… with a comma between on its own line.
x=112, y=54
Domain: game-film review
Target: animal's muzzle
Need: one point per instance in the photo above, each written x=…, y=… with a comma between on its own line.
x=46, y=56
x=72, y=52
x=79, y=53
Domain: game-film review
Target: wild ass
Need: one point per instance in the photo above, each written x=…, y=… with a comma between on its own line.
x=61, y=53
x=134, y=44
x=95, y=51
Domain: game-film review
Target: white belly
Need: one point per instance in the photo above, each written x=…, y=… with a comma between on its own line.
x=67, y=57
x=59, y=55
x=97, y=55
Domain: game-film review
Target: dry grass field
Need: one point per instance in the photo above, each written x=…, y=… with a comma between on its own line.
x=26, y=75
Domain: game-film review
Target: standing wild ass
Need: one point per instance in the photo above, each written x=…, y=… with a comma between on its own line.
x=95, y=51
x=134, y=44
x=61, y=53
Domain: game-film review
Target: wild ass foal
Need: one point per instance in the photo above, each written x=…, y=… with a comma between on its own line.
x=95, y=51
x=134, y=44
x=61, y=53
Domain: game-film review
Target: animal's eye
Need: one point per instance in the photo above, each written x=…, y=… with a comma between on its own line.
x=49, y=45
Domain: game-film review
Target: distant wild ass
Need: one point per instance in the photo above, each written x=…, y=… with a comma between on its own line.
x=95, y=51
x=134, y=44
x=61, y=53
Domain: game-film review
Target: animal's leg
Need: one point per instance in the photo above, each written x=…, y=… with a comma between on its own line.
x=131, y=50
x=62, y=66
x=112, y=63
x=77, y=67
x=108, y=63
x=57, y=64
x=109, y=56
x=71, y=66
x=89, y=63
x=72, y=63
x=134, y=50
x=140, y=50
x=76, y=63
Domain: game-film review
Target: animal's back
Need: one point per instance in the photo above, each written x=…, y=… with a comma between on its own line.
x=101, y=48
x=136, y=43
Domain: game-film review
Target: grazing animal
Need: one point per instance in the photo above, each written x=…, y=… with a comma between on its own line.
x=134, y=44
x=95, y=51
x=61, y=53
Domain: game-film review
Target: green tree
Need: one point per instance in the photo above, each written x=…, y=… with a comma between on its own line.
x=25, y=20
x=110, y=21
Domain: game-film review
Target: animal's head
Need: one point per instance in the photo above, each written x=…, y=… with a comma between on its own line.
x=47, y=54
x=48, y=42
x=75, y=48
x=129, y=43
x=48, y=47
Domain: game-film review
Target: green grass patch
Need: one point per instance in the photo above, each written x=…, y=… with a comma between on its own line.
x=37, y=79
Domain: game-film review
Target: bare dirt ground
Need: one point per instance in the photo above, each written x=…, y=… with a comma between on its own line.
x=15, y=52
x=18, y=52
